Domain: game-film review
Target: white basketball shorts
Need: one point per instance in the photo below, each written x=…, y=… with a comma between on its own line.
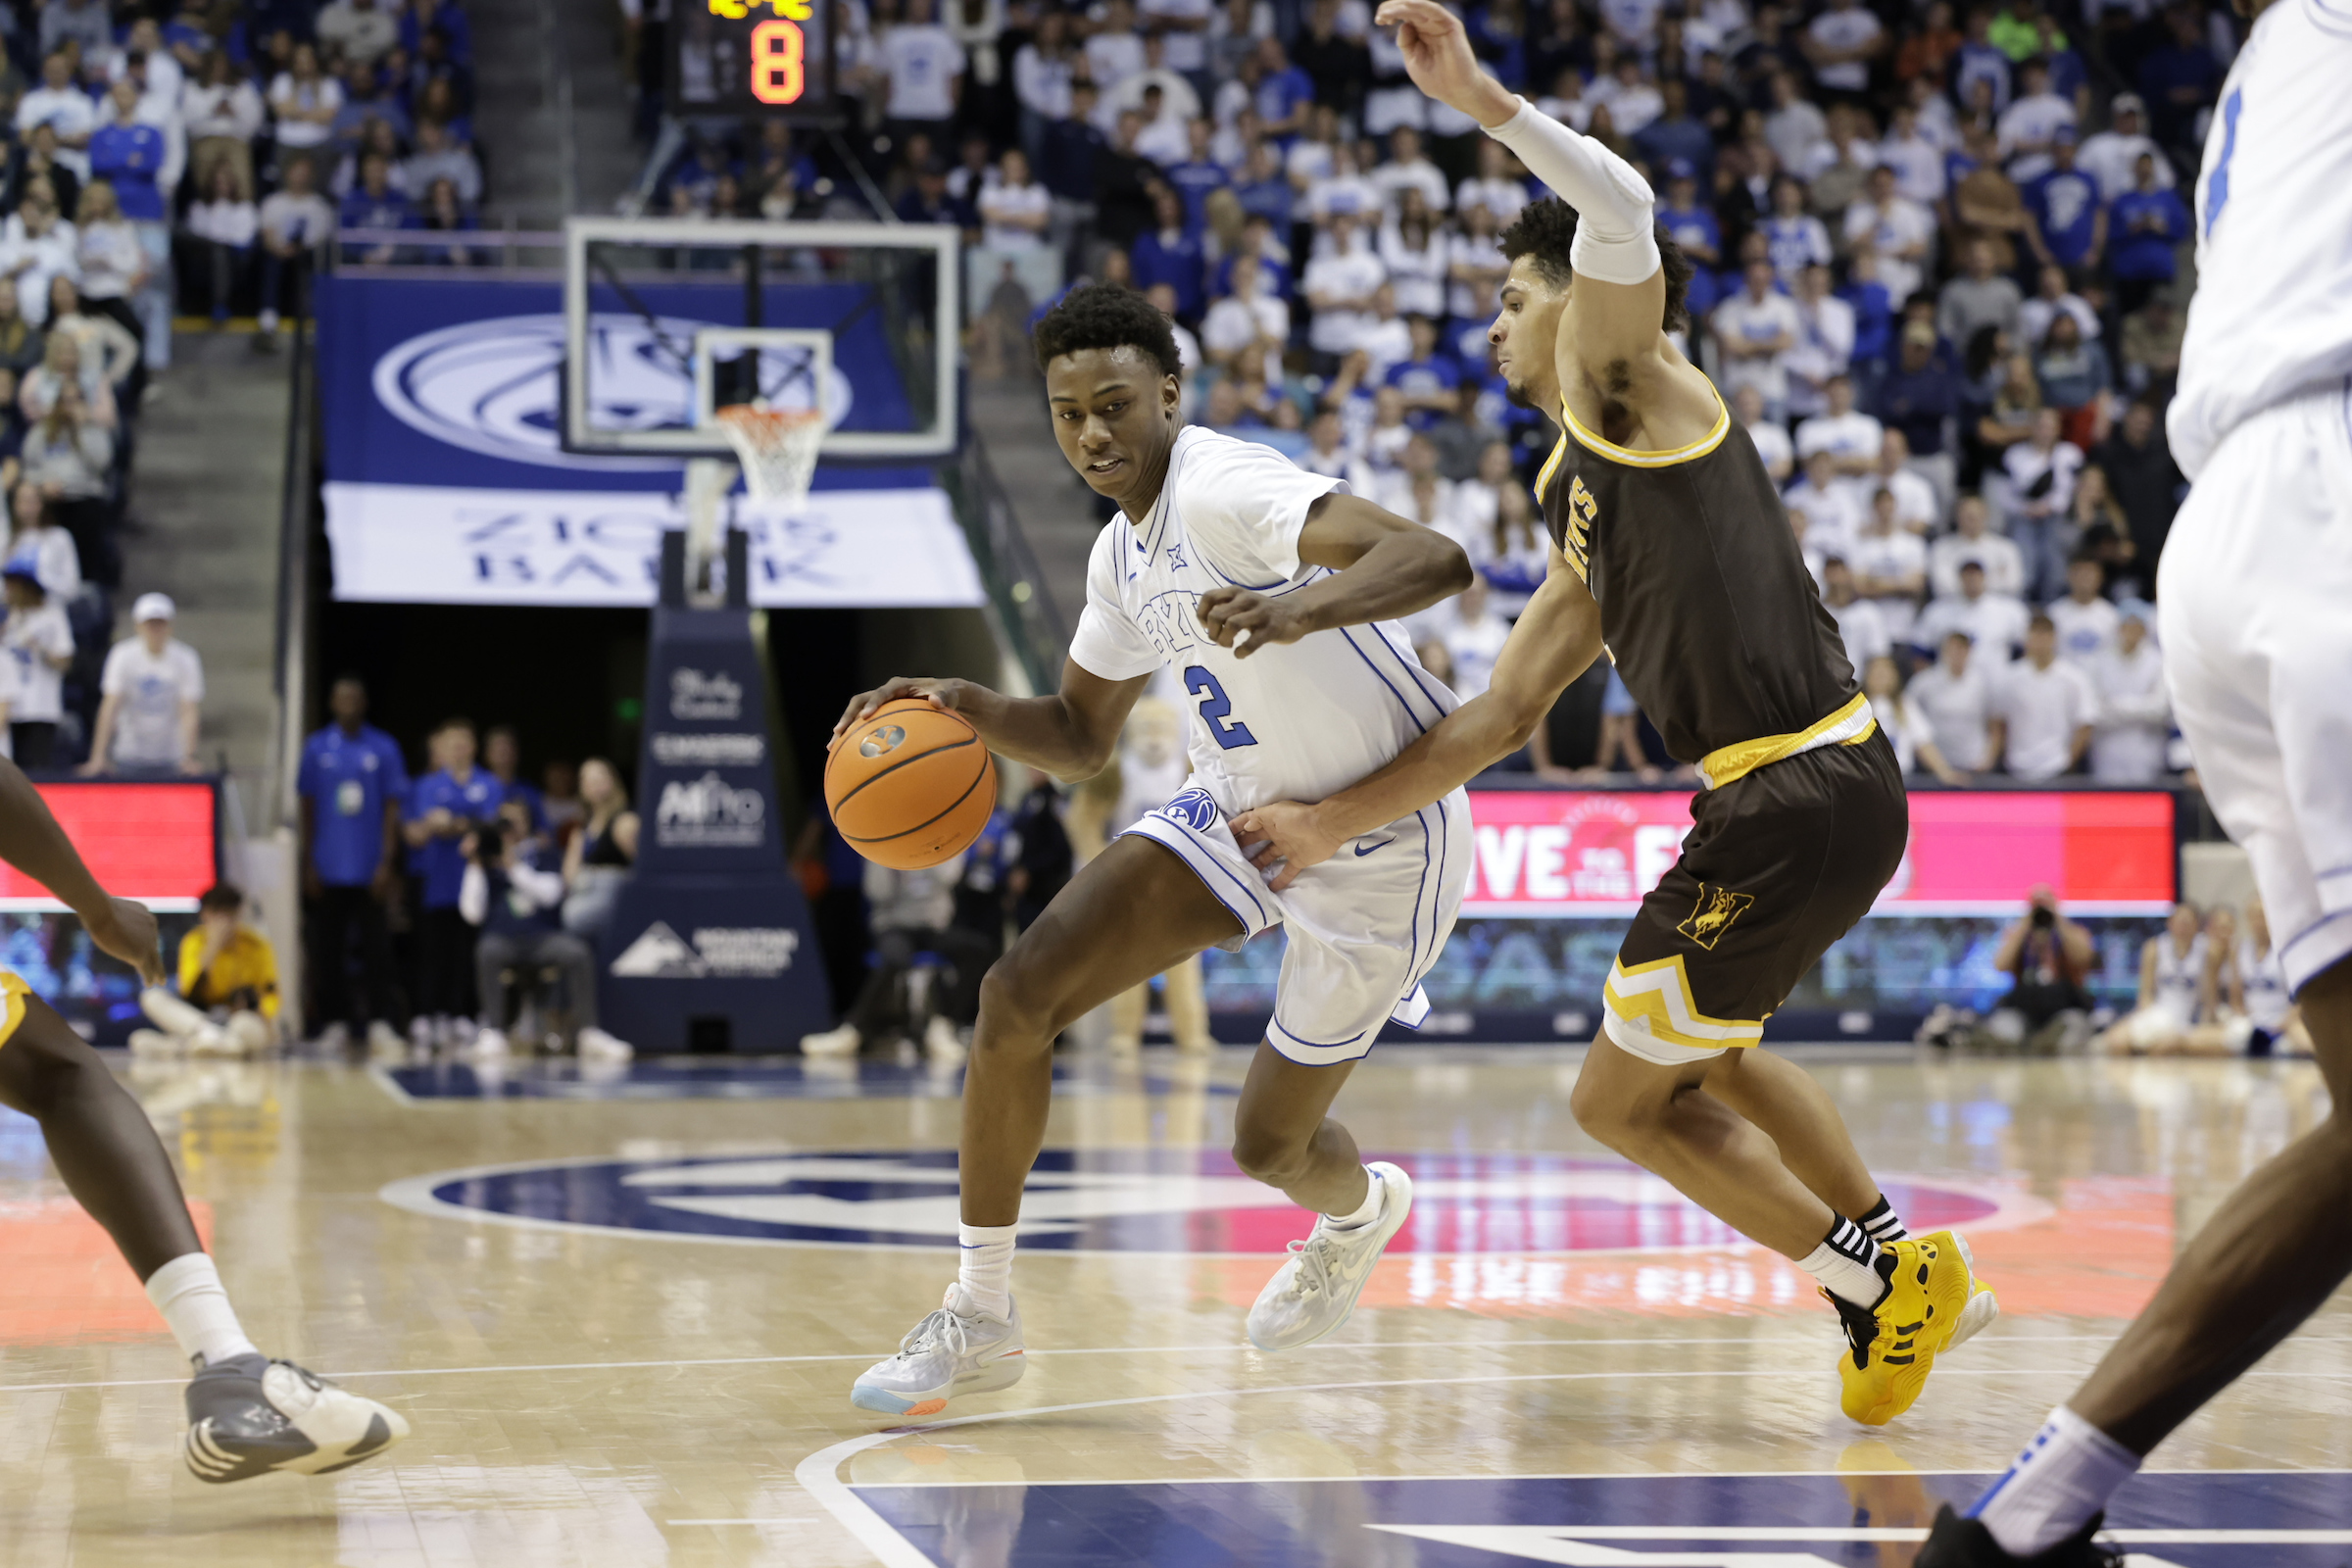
x=1363, y=927
x=2254, y=599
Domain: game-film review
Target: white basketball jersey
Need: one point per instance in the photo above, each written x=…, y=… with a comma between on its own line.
x=2181, y=977
x=2273, y=313
x=1292, y=722
x=2264, y=980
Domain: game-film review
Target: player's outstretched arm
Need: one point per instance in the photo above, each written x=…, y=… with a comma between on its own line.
x=1384, y=566
x=1555, y=640
x=31, y=841
x=1070, y=734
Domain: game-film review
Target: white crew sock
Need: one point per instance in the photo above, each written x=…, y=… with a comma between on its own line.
x=1842, y=1263
x=1365, y=1212
x=987, y=1271
x=187, y=1292
x=2064, y=1476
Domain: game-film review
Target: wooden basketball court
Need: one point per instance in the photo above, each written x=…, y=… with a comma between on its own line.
x=623, y=1316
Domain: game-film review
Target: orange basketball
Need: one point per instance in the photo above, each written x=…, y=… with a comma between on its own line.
x=912, y=786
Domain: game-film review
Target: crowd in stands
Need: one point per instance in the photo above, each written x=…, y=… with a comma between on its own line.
x=1940, y=261
x=159, y=157
x=437, y=904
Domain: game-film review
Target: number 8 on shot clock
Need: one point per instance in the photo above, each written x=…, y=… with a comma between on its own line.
x=770, y=58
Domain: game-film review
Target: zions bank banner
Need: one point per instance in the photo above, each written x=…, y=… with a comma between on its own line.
x=1569, y=853
x=447, y=483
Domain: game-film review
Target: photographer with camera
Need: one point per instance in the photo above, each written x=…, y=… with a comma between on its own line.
x=2047, y=958
x=512, y=891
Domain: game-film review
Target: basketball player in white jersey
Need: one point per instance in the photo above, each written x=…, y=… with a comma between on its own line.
x=2252, y=595
x=1274, y=595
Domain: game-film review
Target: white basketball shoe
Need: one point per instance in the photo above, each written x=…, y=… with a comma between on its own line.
x=958, y=1350
x=249, y=1415
x=1315, y=1291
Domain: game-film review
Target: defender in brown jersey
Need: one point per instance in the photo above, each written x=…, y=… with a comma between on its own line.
x=1671, y=554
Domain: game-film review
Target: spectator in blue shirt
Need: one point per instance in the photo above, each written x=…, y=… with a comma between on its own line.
x=2148, y=225
x=502, y=756
x=443, y=809
x=1067, y=151
x=1262, y=249
x=2070, y=222
x=1198, y=176
x=2179, y=80
x=1919, y=396
x=1428, y=379
x=352, y=783
x=374, y=204
x=1676, y=135
x=129, y=155
x=1285, y=94
x=1264, y=190
x=1171, y=254
x=1693, y=226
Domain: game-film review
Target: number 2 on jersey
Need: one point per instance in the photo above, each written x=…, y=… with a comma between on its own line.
x=1215, y=706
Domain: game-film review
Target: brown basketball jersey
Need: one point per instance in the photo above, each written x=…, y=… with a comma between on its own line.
x=1705, y=602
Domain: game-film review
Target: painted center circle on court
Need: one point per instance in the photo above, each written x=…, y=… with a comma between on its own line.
x=1167, y=1201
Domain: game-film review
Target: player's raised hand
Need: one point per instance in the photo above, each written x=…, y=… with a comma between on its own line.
x=946, y=695
x=1286, y=831
x=1438, y=57
x=126, y=929
x=1245, y=620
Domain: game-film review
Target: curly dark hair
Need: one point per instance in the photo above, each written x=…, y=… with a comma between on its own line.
x=1107, y=316
x=1547, y=229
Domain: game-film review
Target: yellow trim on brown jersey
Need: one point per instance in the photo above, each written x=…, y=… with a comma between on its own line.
x=1551, y=465
x=1650, y=460
x=12, y=992
x=1850, y=725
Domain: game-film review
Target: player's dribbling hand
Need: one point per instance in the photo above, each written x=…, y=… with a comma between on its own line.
x=946, y=695
x=127, y=930
x=1287, y=831
x=1245, y=622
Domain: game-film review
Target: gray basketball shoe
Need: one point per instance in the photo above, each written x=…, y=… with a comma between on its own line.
x=1315, y=1291
x=249, y=1415
x=958, y=1350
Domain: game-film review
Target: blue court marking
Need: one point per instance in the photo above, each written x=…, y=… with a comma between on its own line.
x=742, y=1078
x=2206, y=1520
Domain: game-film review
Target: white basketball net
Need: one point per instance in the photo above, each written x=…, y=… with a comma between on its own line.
x=777, y=447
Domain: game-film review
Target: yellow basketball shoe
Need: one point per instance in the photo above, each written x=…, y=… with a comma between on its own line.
x=1891, y=1346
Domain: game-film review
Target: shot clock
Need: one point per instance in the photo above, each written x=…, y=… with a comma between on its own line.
x=772, y=59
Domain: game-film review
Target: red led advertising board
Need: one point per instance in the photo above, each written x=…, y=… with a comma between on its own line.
x=149, y=842
x=1554, y=852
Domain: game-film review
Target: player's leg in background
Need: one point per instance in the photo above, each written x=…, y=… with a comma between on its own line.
x=1282, y=1136
x=1130, y=912
x=1791, y=1109
x=1663, y=1119
x=101, y=1142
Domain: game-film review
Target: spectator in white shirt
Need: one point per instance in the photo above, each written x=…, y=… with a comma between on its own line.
x=1831, y=510
x=1973, y=540
x=2044, y=710
x=2052, y=299
x=2136, y=710
x=1247, y=326
x=360, y=30
x=1852, y=439
x=1515, y=554
x=1329, y=454
x=1408, y=167
x=1474, y=636
x=35, y=537
x=1883, y=688
x=226, y=223
x=295, y=220
x=1915, y=157
x=1951, y=701
x=2041, y=472
x=1114, y=51
x=1899, y=230
x=1914, y=496
x=925, y=66
x=1754, y=330
x=1387, y=337
x=2112, y=157
x=37, y=644
x=1341, y=285
x=1859, y=623
x=84, y=24
x=438, y=155
x=1495, y=189
x=59, y=104
x=1840, y=43
x=1016, y=213
x=1825, y=346
x=2029, y=126
x=153, y=690
x=1994, y=624
x=1185, y=25
x=1179, y=104
x=304, y=101
x=2087, y=624
x=1794, y=125
x=222, y=113
x=1770, y=437
x=1890, y=565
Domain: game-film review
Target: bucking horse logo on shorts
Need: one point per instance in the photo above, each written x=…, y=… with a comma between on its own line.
x=1712, y=915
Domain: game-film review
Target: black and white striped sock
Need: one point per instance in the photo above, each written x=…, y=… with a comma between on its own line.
x=1844, y=1264
x=1882, y=1223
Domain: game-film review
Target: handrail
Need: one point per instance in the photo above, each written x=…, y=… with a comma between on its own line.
x=294, y=519
x=1026, y=611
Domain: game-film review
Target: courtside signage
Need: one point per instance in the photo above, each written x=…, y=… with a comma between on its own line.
x=149, y=842
x=1572, y=853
